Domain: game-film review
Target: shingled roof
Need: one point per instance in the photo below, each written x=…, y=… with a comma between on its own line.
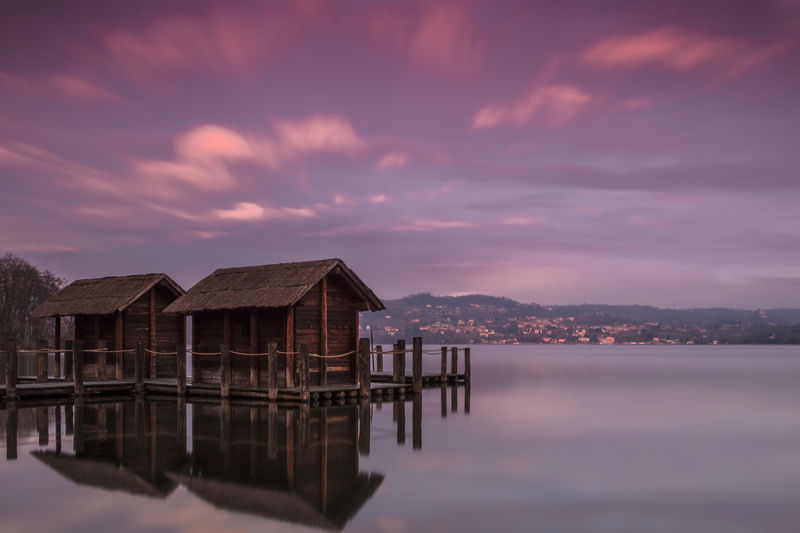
x=102, y=296
x=266, y=286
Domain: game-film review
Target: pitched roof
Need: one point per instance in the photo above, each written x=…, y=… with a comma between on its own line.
x=266, y=286
x=102, y=296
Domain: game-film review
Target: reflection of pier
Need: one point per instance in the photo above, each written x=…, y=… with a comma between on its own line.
x=299, y=464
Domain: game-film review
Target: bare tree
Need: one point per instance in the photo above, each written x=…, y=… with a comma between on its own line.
x=22, y=288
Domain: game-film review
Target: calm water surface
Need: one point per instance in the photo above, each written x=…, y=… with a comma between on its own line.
x=578, y=439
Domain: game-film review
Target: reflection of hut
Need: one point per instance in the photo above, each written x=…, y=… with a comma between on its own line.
x=298, y=466
x=123, y=446
x=120, y=312
x=314, y=303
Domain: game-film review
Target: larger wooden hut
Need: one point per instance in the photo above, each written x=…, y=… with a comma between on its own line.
x=316, y=303
x=117, y=313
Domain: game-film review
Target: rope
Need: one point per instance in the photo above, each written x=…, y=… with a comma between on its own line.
x=108, y=351
x=160, y=353
x=249, y=354
x=331, y=356
x=289, y=353
x=205, y=353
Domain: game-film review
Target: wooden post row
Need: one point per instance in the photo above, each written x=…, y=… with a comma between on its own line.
x=399, y=363
x=416, y=365
x=304, y=396
x=443, y=377
x=454, y=360
x=11, y=371
x=467, y=368
x=272, y=371
x=379, y=349
x=181, y=369
x=41, y=361
x=224, y=372
x=77, y=367
x=138, y=369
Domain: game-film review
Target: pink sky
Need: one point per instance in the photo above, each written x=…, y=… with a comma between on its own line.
x=568, y=152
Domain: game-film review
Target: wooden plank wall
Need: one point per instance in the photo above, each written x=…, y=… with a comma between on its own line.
x=86, y=330
x=342, y=331
x=169, y=333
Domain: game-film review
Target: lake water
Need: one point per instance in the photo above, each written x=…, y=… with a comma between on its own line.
x=566, y=438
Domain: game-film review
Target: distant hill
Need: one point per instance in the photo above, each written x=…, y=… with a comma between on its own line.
x=482, y=318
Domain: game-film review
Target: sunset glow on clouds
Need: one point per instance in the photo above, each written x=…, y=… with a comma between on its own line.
x=638, y=153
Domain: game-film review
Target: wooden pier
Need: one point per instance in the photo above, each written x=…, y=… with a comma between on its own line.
x=370, y=385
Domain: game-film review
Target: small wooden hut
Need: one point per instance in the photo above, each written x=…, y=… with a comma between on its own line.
x=315, y=303
x=118, y=313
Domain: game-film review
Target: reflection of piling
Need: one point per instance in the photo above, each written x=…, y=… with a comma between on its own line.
x=58, y=429
x=68, y=422
x=466, y=397
x=303, y=427
x=181, y=423
x=454, y=398
x=42, y=426
x=444, y=399
x=77, y=440
x=363, y=368
x=11, y=430
x=416, y=421
x=416, y=366
x=138, y=419
x=119, y=430
x=225, y=433
x=400, y=415
x=363, y=426
x=272, y=430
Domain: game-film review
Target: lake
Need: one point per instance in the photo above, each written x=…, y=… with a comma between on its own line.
x=547, y=438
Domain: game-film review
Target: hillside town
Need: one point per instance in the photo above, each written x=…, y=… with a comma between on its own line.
x=487, y=320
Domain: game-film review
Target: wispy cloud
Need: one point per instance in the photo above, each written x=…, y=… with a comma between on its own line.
x=442, y=36
x=251, y=212
x=392, y=160
x=430, y=224
x=82, y=89
x=554, y=104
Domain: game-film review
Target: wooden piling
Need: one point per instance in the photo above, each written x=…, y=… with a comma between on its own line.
x=443, y=377
x=272, y=371
x=68, y=358
x=100, y=360
x=11, y=429
x=180, y=364
x=138, y=369
x=467, y=369
x=77, y=368
x=454, y=360
x=363, y=368
x=119, y=345
x=57, y=344
x=416, y=422
x=255, y=367
x=416, y=366
x=379, y=350
x=41, y=361
x=224, y=372
x=304, y=396
x=399, y=362
x=11, y=372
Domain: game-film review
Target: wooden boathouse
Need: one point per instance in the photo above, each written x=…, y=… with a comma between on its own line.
x=115, y=314
x=311, y=303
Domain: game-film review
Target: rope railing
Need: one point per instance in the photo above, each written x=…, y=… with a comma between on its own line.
x=153, y=352
x=99, y=350
x=204, y=353
x=318, y=356
x=261, y=354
